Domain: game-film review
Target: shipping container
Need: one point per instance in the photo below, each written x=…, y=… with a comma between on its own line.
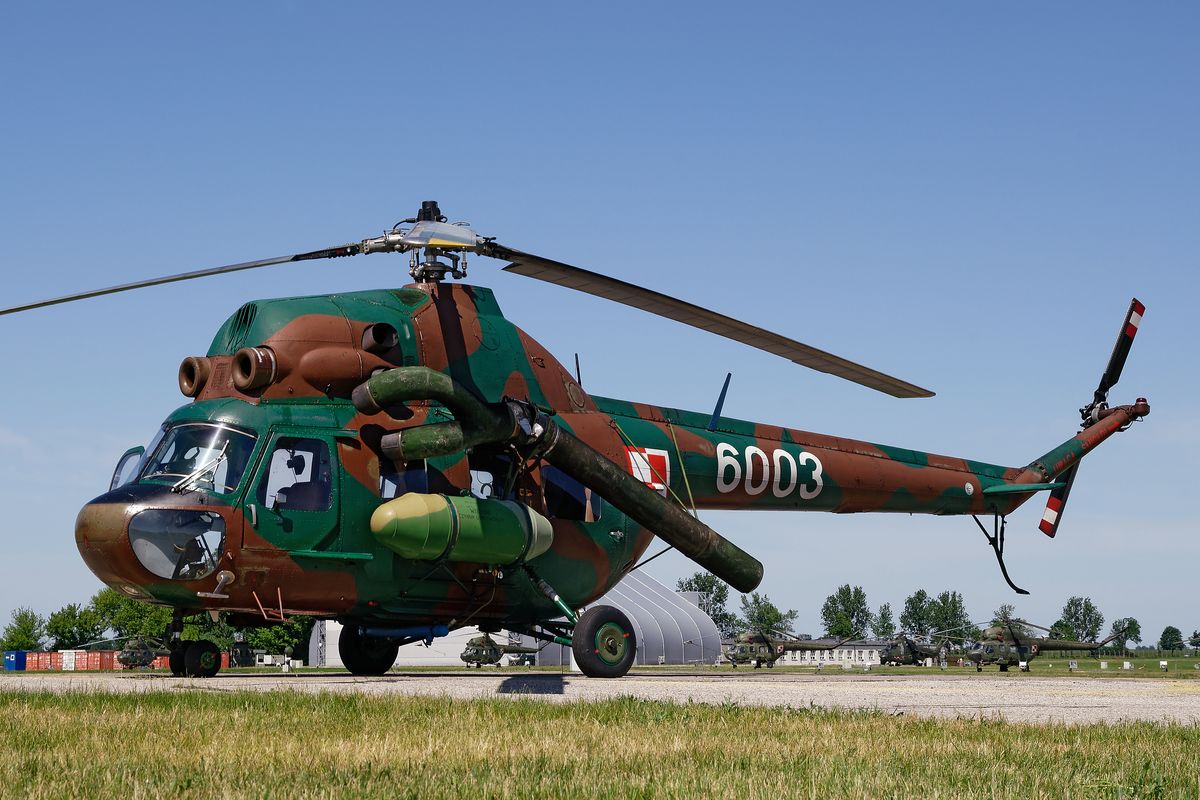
x=33, y=661
x=56, y=660
x=14, y=660
x=108, y=659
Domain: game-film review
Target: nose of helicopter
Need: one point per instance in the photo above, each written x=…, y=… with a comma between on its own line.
x=102, y=541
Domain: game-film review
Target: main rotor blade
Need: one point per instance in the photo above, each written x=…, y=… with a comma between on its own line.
x=332, y=252
x=1116, y=362
x=593, y=283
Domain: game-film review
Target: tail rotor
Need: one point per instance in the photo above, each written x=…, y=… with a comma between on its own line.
x=1093, y=412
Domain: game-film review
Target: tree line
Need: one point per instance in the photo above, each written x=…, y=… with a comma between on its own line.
x=847, y=614
x=110, y=618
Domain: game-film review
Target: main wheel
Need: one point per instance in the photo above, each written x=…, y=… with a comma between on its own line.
x=175, y=659
x=364, y=655
x=1004, y=667
x=603, y=643
x=201, y=659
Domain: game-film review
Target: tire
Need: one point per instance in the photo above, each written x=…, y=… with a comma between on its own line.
x=603, y=643
x=175, y=660
x=366, y=656
x=1004, y=667
x=201, y=659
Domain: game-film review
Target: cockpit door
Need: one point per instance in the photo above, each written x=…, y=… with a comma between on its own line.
x=292, y=502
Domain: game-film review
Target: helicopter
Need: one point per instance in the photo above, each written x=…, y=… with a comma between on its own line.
x=764, y=648
x=484, y=650
x=409, y=461
x=1012, y=643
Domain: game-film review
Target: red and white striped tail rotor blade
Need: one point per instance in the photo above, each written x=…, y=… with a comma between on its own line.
x=1116, y=362
x=1052, y=517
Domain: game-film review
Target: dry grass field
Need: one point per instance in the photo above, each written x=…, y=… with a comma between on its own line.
x=206, y=744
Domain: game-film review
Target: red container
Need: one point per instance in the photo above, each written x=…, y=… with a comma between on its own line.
x=35, y=661
x=161, y=663
x=108, y=659
x=56, y=660
x=224, y=660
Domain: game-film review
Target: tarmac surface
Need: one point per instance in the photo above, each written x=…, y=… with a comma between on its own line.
x=1013, y=697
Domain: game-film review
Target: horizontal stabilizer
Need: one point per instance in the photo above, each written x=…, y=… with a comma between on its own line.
x=1022, y=488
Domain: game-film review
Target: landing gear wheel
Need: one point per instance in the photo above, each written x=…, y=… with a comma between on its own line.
x=363, y=655
x=201, y=659
x=978, y=668
x=175, y=660
x=770, y=665
x=1004, y=667
x=603, y=643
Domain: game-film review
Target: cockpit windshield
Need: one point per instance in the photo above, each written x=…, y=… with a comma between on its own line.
x=199, y=455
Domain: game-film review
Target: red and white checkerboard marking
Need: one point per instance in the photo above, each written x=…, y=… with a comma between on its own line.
x=650, y=466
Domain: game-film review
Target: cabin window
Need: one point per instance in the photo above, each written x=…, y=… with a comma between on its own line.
x=394, y=482
x=567, y=498
x=298, y=476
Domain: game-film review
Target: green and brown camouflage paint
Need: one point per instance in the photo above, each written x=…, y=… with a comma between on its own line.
x=334, y=567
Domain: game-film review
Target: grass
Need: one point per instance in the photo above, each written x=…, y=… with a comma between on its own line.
x=202, y=744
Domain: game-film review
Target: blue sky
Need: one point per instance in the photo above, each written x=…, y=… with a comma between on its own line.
x=966, y=197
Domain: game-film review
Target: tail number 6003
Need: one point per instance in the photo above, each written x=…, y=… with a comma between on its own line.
x=780, y=471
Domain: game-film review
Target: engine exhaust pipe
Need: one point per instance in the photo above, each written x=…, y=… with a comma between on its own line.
x=477, y=422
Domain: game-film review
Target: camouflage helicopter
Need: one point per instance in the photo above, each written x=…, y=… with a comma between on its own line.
x=1011, y=644
x=764, y=648
x=409, y=461
x=484, y=650
x=903, y=650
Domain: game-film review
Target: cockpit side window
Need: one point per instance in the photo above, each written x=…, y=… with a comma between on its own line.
x=567, y=498
x=394, y=481
x=298, y=476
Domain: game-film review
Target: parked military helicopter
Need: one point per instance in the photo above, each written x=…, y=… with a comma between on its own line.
x=903, y=650
x=409, y=461
x=765, y=648
x=485, y=650
x=1012, y=644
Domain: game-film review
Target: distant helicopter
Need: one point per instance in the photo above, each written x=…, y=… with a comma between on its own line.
x=903, y=650
x=485, y=650
x=409, y=461
x=1010, y=644
x=765, y=648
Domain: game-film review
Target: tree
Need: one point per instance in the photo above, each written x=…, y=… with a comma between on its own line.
x=948, y=614
x=846, y=612
x=1132, y=631
x=1171, y=639
x=915, y=616
x=25, y=631
x=126, y=617
x=760, y=614
x=714, y=594
x=1083, y=617
x=882, y=624
x=1005, y=616
x=1195, y=640
x=74, y=625
x=1064, y=630
x=293, y=633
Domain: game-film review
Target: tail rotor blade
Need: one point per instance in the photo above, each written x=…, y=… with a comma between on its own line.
x=1116, y=362
x=1052, y=517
